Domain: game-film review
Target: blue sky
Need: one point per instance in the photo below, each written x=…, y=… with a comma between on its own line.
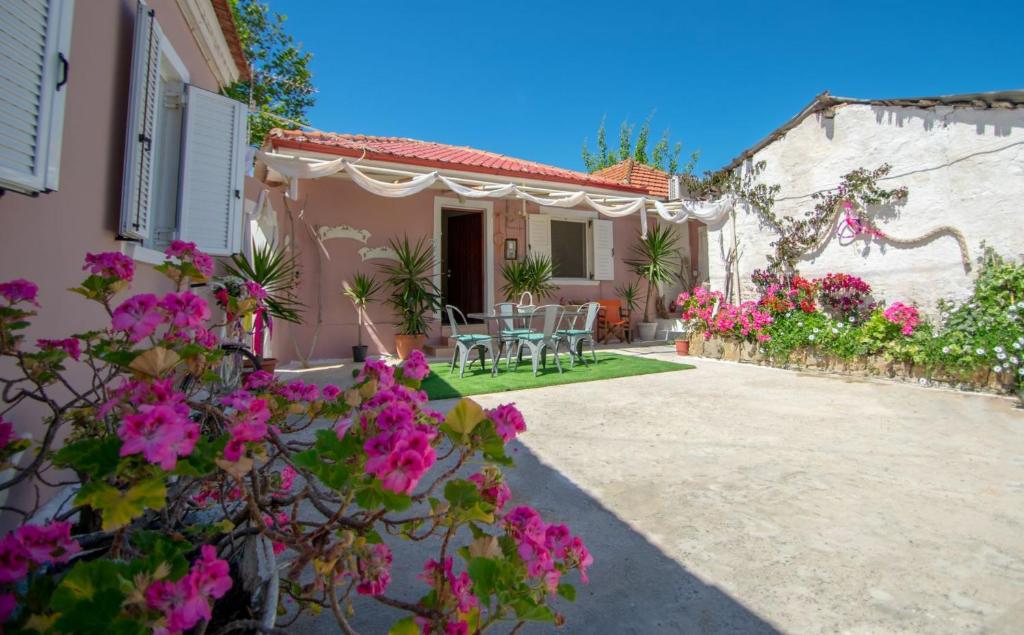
x=532, y=79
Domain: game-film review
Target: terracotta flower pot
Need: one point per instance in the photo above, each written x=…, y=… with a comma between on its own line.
x=682, y=347
x=405, y=344
x=268, y=364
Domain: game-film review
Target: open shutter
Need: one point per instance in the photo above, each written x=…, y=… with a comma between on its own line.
x=604, y=250
x=212, y=172
x=539, y=235
x=34, y=40
x=137, y=205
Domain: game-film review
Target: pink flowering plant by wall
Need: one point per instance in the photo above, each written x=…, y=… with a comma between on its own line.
x=709, y=314
x=182, y=507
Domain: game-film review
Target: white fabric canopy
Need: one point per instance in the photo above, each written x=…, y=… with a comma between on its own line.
x=293, y=169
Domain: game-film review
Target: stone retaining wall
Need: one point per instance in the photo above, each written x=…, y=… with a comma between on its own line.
x=982, y=380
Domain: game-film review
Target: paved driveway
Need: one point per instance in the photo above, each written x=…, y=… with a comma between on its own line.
x=734, y=498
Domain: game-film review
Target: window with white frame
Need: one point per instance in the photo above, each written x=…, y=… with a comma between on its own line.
x=184, y=152
x=35, y=36
x=579, y=244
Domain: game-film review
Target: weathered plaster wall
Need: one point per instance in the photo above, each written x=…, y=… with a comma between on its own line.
x=335, y=201
x=963, y=168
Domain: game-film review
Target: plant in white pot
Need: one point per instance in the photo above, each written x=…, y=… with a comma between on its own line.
x=361, y=292
x=656, y=258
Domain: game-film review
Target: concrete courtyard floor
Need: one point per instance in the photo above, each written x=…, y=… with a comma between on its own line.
x=739, y=499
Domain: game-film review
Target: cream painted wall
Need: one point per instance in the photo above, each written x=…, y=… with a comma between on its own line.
x=963, y=168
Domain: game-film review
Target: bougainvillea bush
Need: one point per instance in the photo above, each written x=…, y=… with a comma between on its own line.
x=707, y=312
x=194, y=508
x=844, y=295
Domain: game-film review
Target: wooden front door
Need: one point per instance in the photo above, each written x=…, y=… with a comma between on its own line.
x=464, y=262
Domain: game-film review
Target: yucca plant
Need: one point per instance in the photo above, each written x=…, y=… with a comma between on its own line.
x=277, y=272
x=655, y=260
x=411, y=279
x=532, y=274
x=361, y=291
x=630, y=294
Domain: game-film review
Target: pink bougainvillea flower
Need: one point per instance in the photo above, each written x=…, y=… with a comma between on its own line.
x=110, y=264
x=496, y=493
x=48, y=544
x=508, y=421
x=188, y=252
x=403, y=471
x=577, y=555
x=71, y=347
x=288, y=476
x=904, y=316
x=258, y=380
x=395, y=415
x=415, y=366
x=330, y=392
x=211, y=575
x=14, y=559
x=160, y=433
x=557, y=538
x=442, y=577
x=19, y=290
x=6, y=433
x=525, y=523
x=377, y=369
x=255, y=290
x=139, y=316
x=298, y=390
x=186, y=310
x=374, y=569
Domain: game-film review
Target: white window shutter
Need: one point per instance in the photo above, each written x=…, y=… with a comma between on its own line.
x=35, y=36
x=137, y=204
x=604, y=250
x=212, y=172
x=539, y=235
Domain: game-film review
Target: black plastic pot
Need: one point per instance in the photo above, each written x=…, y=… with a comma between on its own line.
x=359, y=353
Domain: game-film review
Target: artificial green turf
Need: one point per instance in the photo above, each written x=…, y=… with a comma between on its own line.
x=440, y=385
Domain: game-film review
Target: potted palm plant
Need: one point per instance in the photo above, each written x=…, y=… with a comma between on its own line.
x=655, y=260
x=531, y=275
x=361, y=291
x=277, y=271
x=413, y=293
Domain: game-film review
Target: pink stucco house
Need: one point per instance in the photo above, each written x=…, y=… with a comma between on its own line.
x=472, y=237
x=114, y=137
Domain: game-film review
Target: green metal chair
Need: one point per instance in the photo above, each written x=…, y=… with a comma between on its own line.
x=539, y=342
x=576, y=337
x=466, y=343
x=510, y=327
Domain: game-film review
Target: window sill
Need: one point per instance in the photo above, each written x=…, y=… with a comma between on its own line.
x=579, y=282
x=135, y=251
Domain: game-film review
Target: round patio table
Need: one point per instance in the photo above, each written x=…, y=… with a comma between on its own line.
x=492, y=317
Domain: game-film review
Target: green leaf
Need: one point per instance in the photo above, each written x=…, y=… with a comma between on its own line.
x=567, y=591
x=85, y=580
x=484, y=573
x=202, y=460
x=493, y=446
x=461, y=493
x=160, y=549
x=527, y=610
x=96, y=457
x=405, y=626
x=464, y=417
x=120, y=507
x=373, y=496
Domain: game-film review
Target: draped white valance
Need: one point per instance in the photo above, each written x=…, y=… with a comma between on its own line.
x=293, y=169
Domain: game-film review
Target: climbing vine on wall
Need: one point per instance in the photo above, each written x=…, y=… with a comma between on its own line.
x=858, y=190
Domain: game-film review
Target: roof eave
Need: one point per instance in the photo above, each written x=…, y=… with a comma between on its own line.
x=277, y=142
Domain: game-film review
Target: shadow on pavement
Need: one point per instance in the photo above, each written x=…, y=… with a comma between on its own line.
x=634, y=587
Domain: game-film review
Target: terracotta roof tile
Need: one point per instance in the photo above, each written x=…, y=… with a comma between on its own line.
x=630, y=172
x=227, y=26
x=432, y=154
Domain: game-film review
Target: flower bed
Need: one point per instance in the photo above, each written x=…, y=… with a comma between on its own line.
x=977, y=344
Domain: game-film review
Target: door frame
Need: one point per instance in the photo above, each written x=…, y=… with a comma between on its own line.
x=487, y=208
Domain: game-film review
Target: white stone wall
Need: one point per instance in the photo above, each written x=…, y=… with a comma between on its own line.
x=963, y=168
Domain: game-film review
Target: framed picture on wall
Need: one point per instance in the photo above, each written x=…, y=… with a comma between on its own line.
x=511, y=249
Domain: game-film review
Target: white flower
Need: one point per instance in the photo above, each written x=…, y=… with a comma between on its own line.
x=998, y=349
x=1001, y=355
x=815, y=330
x=1020, y=371
x=997, y=369
x=835, y=330
x=945, y=314
x=979, y=351
x=1016, y=346
x=1020, y=305
x=945, y=350
x=811, y=337
x=852, y=319
x=1014, y=360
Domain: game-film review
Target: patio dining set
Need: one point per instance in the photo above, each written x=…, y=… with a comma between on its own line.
x=515, y=328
